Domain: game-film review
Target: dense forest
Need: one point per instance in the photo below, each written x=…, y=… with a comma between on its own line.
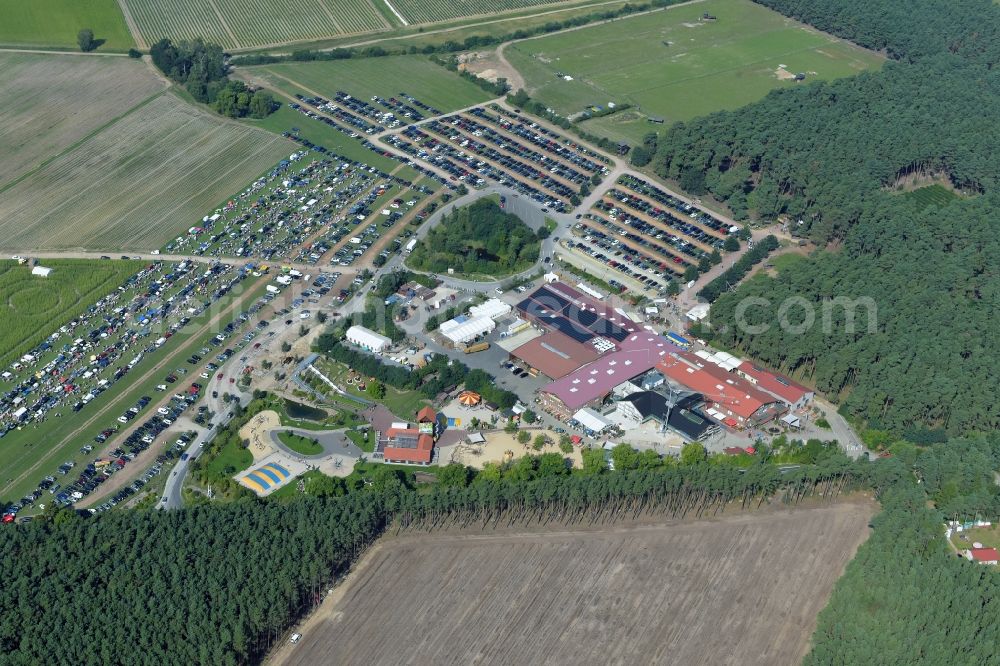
x=479, y=239
x=919, y=350
x=830, y=157
x=905, y=597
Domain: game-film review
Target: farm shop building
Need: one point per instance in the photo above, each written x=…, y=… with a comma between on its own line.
x=412, y=446
x=728, y=397
x=589, y=385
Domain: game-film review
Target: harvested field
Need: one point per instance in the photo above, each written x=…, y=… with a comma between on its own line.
x=138, y=182
x=744, y=588
x=51, y=102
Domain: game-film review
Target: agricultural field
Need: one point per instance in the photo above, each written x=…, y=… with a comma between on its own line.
x=429, y=11
x=677, y=65
x=51, y=102
x=363, y=77
x=137, y=182
x=931, y=195
x=742, y=588
x=247, y=24
x=55, y=23
x=31, y=307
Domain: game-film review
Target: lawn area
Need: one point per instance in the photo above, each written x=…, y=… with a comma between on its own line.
x=55, y=23
x=368, y=446
x=306, y=446
x=32, y=307
x=677, y=65
x=988, y=536
x=363, y=77
x=231, y=459
x=785, y=262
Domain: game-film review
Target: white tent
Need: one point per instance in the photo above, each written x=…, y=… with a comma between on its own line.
x=698, y=312
x=591, y=420
x=461, y=331
x=493, y=308
x=792, y=420
x=41, y=271
x=367, y=339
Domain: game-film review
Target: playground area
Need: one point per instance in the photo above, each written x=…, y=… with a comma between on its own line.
x=338, y=457
x=500, y=447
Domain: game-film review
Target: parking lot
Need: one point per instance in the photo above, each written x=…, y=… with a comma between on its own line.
x=495, y=144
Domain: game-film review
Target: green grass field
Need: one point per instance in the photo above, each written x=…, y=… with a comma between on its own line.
x=931, y=195
x=32, y=307
x=303, y=445
x=386, y=77
x=285, y=118
x=55, y=23
x=676, y=65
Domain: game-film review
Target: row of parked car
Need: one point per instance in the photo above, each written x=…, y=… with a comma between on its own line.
x=622, y=258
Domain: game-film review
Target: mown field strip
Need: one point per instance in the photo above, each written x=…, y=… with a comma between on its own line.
x=137, y=183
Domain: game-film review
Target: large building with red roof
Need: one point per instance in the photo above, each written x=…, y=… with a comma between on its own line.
x=781, y=387
x=983, y=555
x=589, y=385
x=555, y=355
x=412, y=446
x=728, y=397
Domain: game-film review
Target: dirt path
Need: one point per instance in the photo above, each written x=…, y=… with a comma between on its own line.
x=103, y=413
x=73, y=53
x=514, y=77
x=133, y=27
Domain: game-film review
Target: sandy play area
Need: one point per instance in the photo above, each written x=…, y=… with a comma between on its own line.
x=497, y=444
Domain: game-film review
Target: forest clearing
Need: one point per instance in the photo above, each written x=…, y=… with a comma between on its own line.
x=707, y=591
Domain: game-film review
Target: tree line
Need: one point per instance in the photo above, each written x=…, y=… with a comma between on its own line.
x=202, y=69
x=732, y=275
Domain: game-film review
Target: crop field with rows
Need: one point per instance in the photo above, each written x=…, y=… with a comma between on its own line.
x=931, y=195
x=31, y=307
x=242, y=24
x=51, y=102
x=138, y=182
x=428, y=11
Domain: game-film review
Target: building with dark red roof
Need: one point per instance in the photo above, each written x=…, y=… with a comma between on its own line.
x=781, y=387
x=412, y=446
x=728, y=398
x=984, y=555
x=555, y=355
